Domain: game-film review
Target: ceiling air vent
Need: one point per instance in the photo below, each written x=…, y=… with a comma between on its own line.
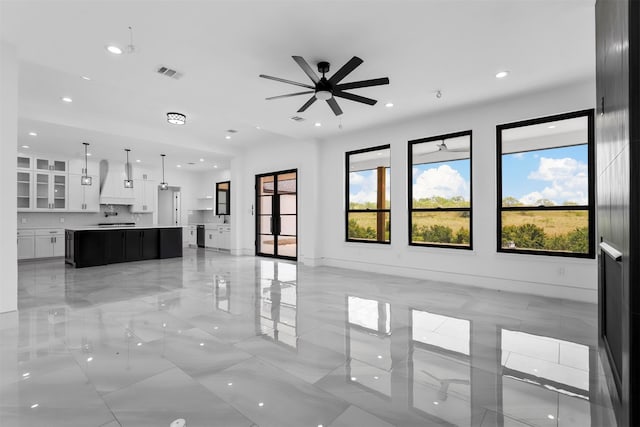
x=169, y=72
x=297, y=119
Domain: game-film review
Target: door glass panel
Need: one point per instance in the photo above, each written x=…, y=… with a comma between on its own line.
x=287, y=183
x=288, y=225
x=59, y=191
x=59, y=166
x=266, y=244
x=266, y=185
x=287, y=246
x=265, y=204
x=265, y=224
x=24, y=183
x=42, y=191
x=287, y=204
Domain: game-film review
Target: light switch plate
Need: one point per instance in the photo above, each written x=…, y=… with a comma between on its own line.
x=23, y=220
x=61, y=219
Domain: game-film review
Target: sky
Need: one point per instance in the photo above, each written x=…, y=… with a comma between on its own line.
x=557, y=174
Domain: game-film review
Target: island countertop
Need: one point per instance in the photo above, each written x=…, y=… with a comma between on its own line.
x=120, y=227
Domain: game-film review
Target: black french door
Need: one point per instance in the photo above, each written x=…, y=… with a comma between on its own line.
x=277, y=214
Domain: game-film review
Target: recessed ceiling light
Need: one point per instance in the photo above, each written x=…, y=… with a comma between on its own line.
x=26, y=146
x=86, y=77
x=261, y=404
x=215, y=166
x=551, y=417
x=35, y=405
x=89, y=154
x=202, y=160
x=227, y=137
x=317, y=124
x=502, y=74
x=389, y=104
x=138, y=160
x=33, y=134
x=551, y=127
x=66, y=99
x=114, y=49
x=178, y=166
x=258, y=127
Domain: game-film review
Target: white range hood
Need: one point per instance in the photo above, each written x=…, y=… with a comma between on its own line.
x=112, y=177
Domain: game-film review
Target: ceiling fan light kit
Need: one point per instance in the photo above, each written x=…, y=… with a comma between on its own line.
x=328, y=89
x=176, y=118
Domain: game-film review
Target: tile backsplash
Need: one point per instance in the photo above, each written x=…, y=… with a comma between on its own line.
x=52, y=219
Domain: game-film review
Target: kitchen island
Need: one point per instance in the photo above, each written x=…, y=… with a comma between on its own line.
x=91, y=246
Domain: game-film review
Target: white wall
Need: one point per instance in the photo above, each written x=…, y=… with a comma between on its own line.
x=544, y=275
x=301, y=155
x=8, y=153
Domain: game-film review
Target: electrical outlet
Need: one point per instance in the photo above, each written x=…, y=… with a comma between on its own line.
x=24, y=220
x=61, y=220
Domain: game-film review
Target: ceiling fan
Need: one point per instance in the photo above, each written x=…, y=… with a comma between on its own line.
x=443, y=147
x=327, y=89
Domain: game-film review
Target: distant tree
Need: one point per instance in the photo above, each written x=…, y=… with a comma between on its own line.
x=579, y=240
x=510, y=202
x=544, y=202
x=356, y=231
x=437, y=234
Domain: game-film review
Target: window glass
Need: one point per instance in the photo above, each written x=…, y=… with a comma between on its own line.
x=545, y=187
x=368, y=195
x=440, y=191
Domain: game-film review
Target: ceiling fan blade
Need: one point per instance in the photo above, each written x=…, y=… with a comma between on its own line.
x=306, y=68
x=307, y=104
x=346, y=69
x=334, y=106
x=352, y=97
x=290, y=94
x=278, y=79
x=363, y=83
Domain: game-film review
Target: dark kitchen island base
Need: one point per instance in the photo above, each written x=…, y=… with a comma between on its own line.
x=95, y=246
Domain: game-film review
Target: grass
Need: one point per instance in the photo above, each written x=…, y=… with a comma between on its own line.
x=553, y=222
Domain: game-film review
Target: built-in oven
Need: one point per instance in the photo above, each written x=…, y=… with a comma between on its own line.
x=200, y=236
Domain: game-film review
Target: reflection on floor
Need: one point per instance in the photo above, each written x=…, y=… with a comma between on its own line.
x=242, y=341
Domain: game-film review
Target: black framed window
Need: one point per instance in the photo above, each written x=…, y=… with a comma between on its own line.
x=440, y=191
x=546, y=186
x=223, y=202
x=368, y=214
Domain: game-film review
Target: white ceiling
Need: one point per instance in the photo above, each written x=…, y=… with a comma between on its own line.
x=222, y=47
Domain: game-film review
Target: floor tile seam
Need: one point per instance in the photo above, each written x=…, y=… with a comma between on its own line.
x=104, y=395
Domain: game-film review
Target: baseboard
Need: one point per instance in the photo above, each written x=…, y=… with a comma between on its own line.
x=550, y=290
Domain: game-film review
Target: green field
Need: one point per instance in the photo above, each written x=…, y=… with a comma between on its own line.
x=565, y=231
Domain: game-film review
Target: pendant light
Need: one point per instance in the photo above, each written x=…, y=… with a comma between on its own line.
x=85, y=179
x=128, y=183
x=163, y=184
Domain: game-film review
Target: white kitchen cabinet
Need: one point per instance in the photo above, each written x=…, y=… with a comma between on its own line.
x=49, y=243
x=50, y=191
x=192, y=235
x=25, y=190
x=145, y=196
x=25, y=162
x=84, y=198
x=26, y=244
x=210, y=237
x=225, y=240
x=44, y=164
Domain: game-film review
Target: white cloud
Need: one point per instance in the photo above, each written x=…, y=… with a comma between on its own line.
x=368, y=187
x=568, y=181
x=519, y=155
x=443, y=181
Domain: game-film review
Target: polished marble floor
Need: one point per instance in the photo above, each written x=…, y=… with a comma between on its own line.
x=240, y=341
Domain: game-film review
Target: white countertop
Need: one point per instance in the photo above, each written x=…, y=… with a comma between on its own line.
x=124, y=227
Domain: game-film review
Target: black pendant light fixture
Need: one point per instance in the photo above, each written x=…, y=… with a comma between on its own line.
x=85, y=179
x=163, y=184
x=128, y=183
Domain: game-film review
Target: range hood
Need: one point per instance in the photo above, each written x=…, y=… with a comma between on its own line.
x=112, y=191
